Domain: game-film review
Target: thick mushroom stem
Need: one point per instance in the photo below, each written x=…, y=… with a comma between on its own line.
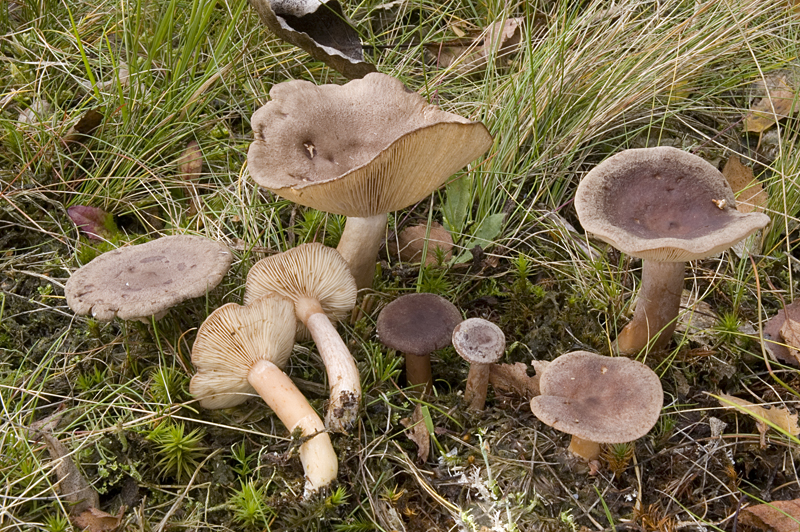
x=477, y=385
x=359, y=246
x=343, y=377
x=418, y=373
x=279, y=392
x=656, y=308
x=586, y=449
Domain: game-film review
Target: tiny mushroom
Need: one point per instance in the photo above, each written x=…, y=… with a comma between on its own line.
x=137, y=282
x=417, y=325
x=317, y=280
x=481, y=343
x=240, y=349
x=598, y=399
x=361, y=150
x=667, y=207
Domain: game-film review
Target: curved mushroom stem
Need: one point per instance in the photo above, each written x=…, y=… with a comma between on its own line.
x=477, y=385
x=359, y=245
x=656, y=309
x=418, y=373
x=343, y=377
x=586, y=449
x=290, y=405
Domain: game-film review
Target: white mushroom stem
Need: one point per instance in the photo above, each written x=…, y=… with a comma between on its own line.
x=586, y=449
x=290, y=405
x=359, y=245
x=343, y=377
x=656, y=307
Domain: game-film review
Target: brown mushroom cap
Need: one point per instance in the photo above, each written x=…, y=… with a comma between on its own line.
x=144, y=280
x=418, y=324
x=662, y=204
x=598, y=398
x=308, y=270
x=479, y=341
x=411, y=242
x=231, y=340
x=361, y=149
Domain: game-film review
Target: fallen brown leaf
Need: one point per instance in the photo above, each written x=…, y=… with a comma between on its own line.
x=95, y=520
x=790, y=332
x=190, y=163
x=773, y=339
x=418, y=433
x=776, y=516
x=73, y=486
x=751, y=196
x=513, y=378
x=778, y=416
x=500, y=39
x=78, y=133
x=778, y=102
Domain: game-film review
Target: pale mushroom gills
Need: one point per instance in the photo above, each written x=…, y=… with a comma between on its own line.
x=362, y=150
x=666, y=207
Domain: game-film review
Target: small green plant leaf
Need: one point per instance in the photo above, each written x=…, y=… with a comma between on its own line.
x=483, y=236
x=456, y=206
x=95, y=223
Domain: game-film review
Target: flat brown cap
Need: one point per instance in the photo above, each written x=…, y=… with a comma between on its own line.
x=361, y=149
x=418, y=324
x=479, y=341
x=598, y=398
x=662, y=204
x=136, y=282
x=231, y=340
x=308, y=270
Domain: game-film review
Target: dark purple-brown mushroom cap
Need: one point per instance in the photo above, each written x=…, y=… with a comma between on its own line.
x=418, y=324
x=662, y=204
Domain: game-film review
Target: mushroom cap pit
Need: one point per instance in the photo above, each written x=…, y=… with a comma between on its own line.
x=136, y=282
x=599, y=398
x=309, y=270
x=231, y=340
x=479, y=341
x=662, y=204
x=417, y=324
x=361, y=149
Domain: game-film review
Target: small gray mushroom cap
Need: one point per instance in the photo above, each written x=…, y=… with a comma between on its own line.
x=231, y=340
x=136, y=282
x=662, y=204
x=418, y=324
x=361, y=149
x=308, y=270
x=479, y=341
x=598, y=398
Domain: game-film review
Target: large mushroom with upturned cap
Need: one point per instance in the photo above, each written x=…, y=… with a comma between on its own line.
x=598, y=399
x=242, y=349
x=144, y=280
x=316, y=278
x=417, y=325
x=666, y=207
x=362, y=150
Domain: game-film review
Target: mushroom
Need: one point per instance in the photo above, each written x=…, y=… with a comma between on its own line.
x=411, y=242
x=137, y=282
x=362, y=150
x=667, y=207
x=417, y=325
x=481, y=343
x=317, y=280
x=598, y=399
x=239, y=350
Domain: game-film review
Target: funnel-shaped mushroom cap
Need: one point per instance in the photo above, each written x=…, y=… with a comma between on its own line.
x=231, y=340
x=309, y=271
x=598, y=398
x=361, y=149
x=418, y=324
x=662, y=204
x=145, y=280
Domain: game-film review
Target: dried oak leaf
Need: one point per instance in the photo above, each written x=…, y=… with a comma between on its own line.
x=751, y=197
x=790, y=332
x=776, y=516
x=319, y=27
x=778, y=102
x=513, y=378
x=773, y=338
x=95, y=520
x=778, y=416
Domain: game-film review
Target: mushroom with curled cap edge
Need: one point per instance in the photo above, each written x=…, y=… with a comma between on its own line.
x=598, y=399
x=317, y=280
x=241, y=349
x=666, y=207
x=481, y=343
x=144, y=280
x=417, y=325
x=362, y=150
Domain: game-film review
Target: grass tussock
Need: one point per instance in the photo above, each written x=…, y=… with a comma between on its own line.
x=589, y=79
